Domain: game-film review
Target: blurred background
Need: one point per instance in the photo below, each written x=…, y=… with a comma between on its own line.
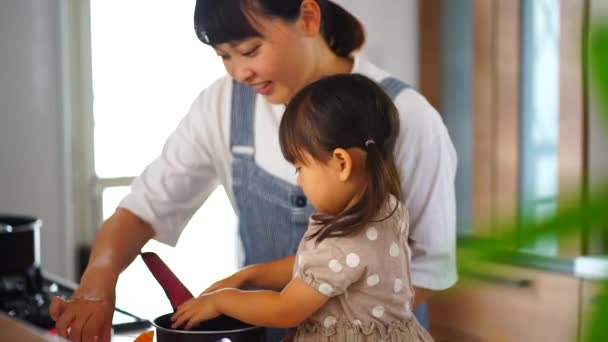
x=90, y=89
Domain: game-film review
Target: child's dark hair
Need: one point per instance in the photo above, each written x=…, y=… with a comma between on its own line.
x=221, y=21
x=345, y=111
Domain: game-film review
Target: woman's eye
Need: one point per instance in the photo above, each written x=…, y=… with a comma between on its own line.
x=252, y=51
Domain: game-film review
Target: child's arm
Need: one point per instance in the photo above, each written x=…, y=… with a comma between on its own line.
x=270, y=275
x=288, y=308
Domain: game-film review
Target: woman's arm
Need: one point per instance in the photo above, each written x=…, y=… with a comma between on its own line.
x=288, y=308
x=89, y=312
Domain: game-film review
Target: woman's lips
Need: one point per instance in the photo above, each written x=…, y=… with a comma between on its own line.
x=264, y=88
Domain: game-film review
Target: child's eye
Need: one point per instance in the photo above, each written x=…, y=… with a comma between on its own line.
x=298, y=169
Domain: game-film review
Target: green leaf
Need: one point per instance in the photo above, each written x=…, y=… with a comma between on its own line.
x=599, y=329
x=598, y=65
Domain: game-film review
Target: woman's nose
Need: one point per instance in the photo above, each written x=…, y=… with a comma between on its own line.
x=243, y=74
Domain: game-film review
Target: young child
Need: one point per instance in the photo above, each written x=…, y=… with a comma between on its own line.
x=350, y=279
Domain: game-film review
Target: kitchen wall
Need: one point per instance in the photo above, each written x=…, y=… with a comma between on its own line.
x=392, y=34
x=35, y=135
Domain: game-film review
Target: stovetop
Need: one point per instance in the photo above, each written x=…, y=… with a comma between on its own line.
x=27, y=297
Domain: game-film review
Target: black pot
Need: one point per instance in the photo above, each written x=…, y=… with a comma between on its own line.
x=220, y=329
x=19, y=244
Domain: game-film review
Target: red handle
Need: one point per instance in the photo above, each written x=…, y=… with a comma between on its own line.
x=174, y=289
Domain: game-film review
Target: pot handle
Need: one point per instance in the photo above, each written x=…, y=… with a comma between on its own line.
x=173, y=287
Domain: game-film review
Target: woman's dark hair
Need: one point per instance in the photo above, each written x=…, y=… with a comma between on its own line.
x=345, y=111
x=221, y=21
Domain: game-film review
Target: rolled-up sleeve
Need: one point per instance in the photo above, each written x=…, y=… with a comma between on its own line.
x=171, y=188
x=427, y=165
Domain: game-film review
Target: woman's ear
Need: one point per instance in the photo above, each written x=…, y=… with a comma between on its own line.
x=342, y=163
x=310, y=17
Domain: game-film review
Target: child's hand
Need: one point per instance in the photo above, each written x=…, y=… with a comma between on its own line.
x=236, y=281
x=195, y=311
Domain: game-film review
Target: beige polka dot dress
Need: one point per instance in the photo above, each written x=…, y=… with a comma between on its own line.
x=367, y=279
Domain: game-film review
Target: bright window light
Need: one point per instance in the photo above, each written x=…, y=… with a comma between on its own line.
x=148, y=66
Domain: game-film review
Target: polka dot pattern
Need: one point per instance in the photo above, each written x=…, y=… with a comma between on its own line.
x=352, y=260
x=326, y=289
x=394, y=250
x=335, y=266
x=373, y=280
x=329, y=321
x=359, y=272
x=398, y=286
x=378, y=311
x=372, y=233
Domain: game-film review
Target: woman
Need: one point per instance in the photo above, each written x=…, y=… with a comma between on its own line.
x=271, y=49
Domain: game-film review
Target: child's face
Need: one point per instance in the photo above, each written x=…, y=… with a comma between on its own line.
x=330, y=186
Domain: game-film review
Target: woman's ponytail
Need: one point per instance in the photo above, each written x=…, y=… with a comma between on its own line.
x=342, y=31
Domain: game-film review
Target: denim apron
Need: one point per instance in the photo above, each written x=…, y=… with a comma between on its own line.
x=273, y=214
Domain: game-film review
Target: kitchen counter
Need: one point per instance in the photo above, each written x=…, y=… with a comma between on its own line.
x=13, y=330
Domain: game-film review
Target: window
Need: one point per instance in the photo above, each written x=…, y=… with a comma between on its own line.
x=147, y=68
x=540, y=84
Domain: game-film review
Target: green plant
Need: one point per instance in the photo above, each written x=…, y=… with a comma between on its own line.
x=598, y=73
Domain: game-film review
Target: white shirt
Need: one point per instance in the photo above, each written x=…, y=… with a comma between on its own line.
x=197, y=157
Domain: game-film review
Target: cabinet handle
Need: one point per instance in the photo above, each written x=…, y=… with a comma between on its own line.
x=520, y=283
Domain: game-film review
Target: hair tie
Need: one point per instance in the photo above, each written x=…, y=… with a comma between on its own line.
x=369, y=142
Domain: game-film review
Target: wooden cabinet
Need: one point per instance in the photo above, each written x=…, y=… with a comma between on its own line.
x=504, y=303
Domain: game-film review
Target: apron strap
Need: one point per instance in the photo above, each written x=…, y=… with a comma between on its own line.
x=242, y=115
x=393, y=86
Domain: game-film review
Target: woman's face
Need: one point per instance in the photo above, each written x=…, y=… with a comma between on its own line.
x=277, y=64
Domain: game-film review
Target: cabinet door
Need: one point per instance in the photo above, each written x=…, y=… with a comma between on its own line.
x=506, y=303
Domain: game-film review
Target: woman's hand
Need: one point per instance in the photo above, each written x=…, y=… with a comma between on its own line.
x=236, y=281
x=196, y=310
x=87, y=315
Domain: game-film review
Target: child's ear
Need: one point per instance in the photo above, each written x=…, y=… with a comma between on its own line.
x=310, y=17
x=342, y=162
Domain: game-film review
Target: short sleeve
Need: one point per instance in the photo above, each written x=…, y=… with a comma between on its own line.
x=329, y=269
